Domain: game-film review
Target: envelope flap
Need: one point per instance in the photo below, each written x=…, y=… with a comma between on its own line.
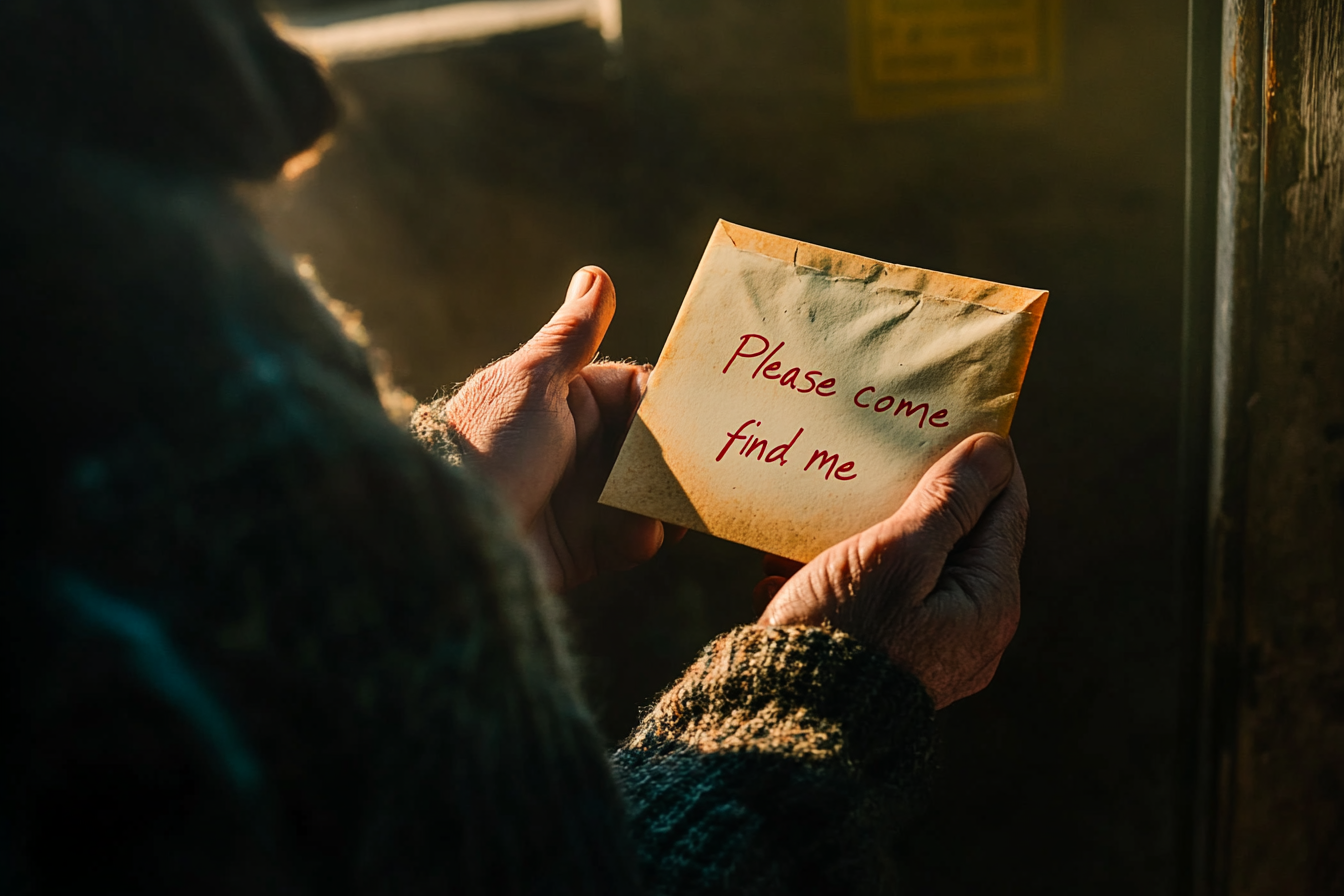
x=986, y=293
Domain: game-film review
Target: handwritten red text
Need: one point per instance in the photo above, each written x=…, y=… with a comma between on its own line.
x=815, y=380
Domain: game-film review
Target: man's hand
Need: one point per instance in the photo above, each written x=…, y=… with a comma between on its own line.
x=545, y=426
x=935, y=585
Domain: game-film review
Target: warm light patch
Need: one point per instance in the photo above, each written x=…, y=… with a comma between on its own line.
x=423, y=30
x=305, y=160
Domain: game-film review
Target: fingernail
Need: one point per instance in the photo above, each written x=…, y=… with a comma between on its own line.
x=579, y=286
x=993, y=459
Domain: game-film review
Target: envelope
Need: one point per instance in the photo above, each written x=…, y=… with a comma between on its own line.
x=803, y=392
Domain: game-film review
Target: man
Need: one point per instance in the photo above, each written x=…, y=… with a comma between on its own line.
x=257, y=639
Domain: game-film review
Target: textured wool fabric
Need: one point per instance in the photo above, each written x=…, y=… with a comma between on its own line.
x=259, y=640
x=784, y=761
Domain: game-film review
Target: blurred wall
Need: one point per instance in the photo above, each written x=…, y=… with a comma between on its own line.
x=466, y=185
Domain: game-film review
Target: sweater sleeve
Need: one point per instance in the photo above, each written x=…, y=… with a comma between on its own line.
x=429, y=426
x=784, y=761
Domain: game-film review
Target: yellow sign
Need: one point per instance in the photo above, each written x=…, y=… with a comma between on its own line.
x=913, y=56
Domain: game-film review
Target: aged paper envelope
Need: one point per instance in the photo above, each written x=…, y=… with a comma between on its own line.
x=803, y=392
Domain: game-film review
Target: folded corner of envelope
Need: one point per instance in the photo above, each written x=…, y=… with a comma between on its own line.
x=759, y=242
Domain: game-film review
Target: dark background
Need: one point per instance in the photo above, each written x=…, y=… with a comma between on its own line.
x=466, y=185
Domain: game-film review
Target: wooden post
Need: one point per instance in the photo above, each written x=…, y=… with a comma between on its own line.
x=1269, y=766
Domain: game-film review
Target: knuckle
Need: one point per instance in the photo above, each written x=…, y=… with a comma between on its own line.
x=561, y=336
x=489, y=393
x=513, y=378
x=953, y=502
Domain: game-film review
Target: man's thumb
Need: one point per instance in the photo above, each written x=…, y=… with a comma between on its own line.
x=952, y=496
x=570, y=339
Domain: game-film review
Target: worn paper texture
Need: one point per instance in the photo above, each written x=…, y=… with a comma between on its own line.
x=803, y=392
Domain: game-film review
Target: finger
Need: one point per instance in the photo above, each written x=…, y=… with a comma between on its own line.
x=602, y=401
x=618, y=390
x=998, y=539
x=673, y=534
x=571, y=338
x=624, y=539
x=765, y=591
x=586, y=412
x=983, y=567
x=776, y=565
x=951, y=498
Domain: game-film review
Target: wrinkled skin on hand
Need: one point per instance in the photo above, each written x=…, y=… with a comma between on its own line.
x=544, y=425
x=935, y=585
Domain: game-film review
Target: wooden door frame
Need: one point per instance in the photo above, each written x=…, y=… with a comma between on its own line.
x=1263, y=318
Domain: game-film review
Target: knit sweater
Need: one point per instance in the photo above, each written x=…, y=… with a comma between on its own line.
x=783, y=761
x=258, y=639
